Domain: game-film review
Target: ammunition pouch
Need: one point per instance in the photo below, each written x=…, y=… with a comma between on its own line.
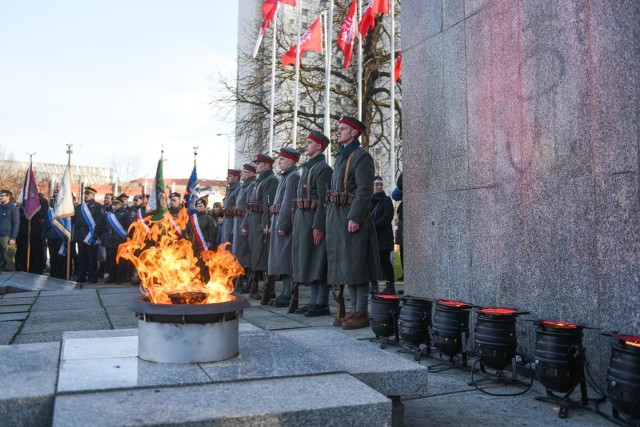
x=340, y=198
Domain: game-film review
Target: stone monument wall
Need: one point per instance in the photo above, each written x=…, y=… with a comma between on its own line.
x=521, y=159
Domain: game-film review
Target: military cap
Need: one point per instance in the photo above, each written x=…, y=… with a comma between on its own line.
x=137, y=197
x=7, y=192
x=174, y=194
x=354, y=123
x=249, y=168
x=319, y=137
x=233, y=172
x=290, y=153
x=91, y=190
x=264, y=159
x=123, y=196
x=118, y=200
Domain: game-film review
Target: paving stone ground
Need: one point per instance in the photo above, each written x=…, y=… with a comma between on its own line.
x=42, y=316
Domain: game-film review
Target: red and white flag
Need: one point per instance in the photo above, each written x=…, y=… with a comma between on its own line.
x=269, y=9
x=347, y=34
x=310, y=40
x=398, y=69
x=374, y=8
x=31, y=199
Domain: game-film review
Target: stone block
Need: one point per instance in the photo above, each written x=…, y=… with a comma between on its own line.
x=385, y=372
x=5, y=301
x=281, y=401
x=66, y=320
x=27, y=383
x=424, y=21
x=458, y=241
x=452, y=13
x=68, y=302
x=14, y=308
x=35, y=282
x=471, y=7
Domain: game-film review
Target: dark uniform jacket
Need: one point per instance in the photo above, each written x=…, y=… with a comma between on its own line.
x=81, y=227
x=309, y=260
x=261, y=198
x=280, y=260
x=240, y=246
x=381, y=208
x=110, y=238
x=229, y=203
x=352, y=258
x=9, y=220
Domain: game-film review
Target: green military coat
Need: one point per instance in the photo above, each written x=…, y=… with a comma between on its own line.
x=280, y=260
x=263, y=193
x=229, y=203
x=309, y=260
x=240, y=246
x=352, y=258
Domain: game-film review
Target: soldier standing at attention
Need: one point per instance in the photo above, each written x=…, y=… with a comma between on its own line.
x=240, y=246
x=352, y=245
x=233, y=187
x=256, y=225
x=88, y=221
x=280, y=261
x=309, y=248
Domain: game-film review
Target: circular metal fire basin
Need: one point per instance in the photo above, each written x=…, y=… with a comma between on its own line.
x=188, y=333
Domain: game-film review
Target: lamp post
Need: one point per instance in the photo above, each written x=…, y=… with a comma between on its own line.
x=229, y=150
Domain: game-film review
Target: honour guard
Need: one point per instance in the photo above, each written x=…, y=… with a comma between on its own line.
x=240, y=246
x=352, y=245
x=229, y=206
x=309, y=219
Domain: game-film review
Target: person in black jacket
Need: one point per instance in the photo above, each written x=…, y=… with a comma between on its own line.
x=9, y=225
x=381, y=208
x=88, y=223
x=115, y=233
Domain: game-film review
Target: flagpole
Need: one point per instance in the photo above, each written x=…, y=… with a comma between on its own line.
x=327, y=94
x=392, y=92
x=69, y=152
x=297, y=79
x=273, y=79
x=359, y=75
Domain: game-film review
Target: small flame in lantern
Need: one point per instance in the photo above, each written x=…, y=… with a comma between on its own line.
x=630, y=340
x=499, y=311
x=383, y=296
x=560, y=325
x=456, y=304
x=168, y=268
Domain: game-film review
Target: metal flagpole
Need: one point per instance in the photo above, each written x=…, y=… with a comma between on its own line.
x=392, y=92
x=359, y=77
x=295, y=91
x=327, y=89
x=273, y=78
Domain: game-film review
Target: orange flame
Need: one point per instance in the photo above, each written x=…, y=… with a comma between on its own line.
x=166, y=264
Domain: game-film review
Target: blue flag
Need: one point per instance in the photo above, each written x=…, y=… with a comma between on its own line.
x=193, y=191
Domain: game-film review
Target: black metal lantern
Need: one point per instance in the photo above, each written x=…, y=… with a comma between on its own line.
x=623, y=376
x=495, y=336
x=384, y=315
x=451, y=327
x=415, y=320
x=559, y=362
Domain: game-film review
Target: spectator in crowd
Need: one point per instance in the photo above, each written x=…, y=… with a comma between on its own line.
x=381, y=208
x=9, y=227
x=397, y=196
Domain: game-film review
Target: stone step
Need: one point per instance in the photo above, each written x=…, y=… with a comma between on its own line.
x=321, y=400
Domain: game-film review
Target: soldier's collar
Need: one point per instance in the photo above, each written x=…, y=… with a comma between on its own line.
x=312, y=161
x=346, y=150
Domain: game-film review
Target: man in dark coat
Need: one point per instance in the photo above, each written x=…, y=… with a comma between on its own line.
x=240, y=246
x=117, y=224
x=352, y=246
x=87, y=227
x=280, y=261
x=381, y=208
x=229, y=204
x=309, y=245
x=9, y=226
x=35, y=244
x=256, y=223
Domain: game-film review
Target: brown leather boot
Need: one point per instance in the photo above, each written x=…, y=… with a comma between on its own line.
x=349, y=316
x=360, y=320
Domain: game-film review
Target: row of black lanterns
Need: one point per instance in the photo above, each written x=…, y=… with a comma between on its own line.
x=559, y=357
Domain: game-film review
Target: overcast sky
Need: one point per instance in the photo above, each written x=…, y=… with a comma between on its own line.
x=117, y=79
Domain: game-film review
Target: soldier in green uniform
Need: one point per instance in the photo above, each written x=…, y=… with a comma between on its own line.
x=240, y=246
x=352, y=246
x=309, y=244
x=256, y=223
x=280, y=261
x=229, y=206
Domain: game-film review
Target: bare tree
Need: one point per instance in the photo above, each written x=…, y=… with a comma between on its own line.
x=250, y=93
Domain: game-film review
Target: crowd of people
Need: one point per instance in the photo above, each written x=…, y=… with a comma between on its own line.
x=311, y=225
